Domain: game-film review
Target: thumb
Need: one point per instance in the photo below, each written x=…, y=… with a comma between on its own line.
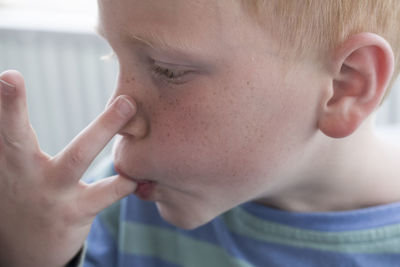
x=105, y=192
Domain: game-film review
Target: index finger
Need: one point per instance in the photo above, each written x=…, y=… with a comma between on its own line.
x=77, y=156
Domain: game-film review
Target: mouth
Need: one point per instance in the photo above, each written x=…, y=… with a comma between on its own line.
x=144, y=188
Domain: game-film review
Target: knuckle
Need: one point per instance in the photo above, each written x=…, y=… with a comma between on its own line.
x=11, y=146
x=11, y=141
x=20, y=138
x=76, y=158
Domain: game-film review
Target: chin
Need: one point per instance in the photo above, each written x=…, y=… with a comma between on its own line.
x=186, y=218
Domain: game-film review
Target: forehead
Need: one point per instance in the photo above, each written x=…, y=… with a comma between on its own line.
x=184, y=23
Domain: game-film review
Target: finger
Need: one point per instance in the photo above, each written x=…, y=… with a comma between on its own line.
x=14, y=118
x=78, y=155
x=103, y=193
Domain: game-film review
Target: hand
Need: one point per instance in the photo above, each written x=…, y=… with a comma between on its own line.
x=46, y=210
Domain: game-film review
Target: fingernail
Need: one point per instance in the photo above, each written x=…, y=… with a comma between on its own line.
x=125, y=106
x=6, y=88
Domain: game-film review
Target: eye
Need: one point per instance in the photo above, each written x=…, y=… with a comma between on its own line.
x=168, y=74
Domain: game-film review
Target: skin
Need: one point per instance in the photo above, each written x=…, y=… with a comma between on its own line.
x=48, y=209
x=228, y=125
x=242, y=124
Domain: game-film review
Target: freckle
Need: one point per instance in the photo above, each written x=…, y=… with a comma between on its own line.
x=168, y=134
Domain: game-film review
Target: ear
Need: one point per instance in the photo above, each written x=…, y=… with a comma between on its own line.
x=361, y=70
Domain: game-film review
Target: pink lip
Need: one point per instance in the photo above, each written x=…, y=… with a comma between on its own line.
x=144, y=188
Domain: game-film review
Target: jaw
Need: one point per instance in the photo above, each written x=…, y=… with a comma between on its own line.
x=184, y=216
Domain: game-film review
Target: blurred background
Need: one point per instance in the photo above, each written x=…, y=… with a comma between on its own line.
x=53, y=44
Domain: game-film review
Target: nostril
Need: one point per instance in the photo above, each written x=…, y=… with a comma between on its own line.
x=137, y=127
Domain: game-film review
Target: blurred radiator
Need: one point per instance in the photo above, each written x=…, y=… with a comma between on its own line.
x=68, y=84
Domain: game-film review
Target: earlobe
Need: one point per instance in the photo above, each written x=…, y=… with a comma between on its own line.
x=362, y=69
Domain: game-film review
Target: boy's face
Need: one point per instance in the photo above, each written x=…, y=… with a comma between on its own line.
x=221, y=118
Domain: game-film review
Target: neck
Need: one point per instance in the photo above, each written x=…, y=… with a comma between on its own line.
x=342, y=174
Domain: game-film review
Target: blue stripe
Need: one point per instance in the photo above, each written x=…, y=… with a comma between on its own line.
x=215, y=232
x=133, y=260
x=260, y=253
x=102, y=248
x=361, y=219
x=136, y=210
x=248, y=249
x=140, y=211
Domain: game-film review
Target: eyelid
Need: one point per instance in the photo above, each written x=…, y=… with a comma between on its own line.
x=172, y=65
x=160, y=70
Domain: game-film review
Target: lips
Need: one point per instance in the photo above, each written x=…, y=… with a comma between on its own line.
x=144, y=188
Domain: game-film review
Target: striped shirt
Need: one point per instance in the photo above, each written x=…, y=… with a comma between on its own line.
x=132, y=233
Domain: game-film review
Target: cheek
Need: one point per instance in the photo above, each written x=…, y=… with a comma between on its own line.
x=219, y=134
x=189, y=133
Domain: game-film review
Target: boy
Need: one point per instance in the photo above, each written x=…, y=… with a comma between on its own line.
x=247, y=123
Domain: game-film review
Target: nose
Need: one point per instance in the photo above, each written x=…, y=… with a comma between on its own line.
x=138, y=126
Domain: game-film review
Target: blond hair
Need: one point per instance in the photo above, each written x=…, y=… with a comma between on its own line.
x=316, y=27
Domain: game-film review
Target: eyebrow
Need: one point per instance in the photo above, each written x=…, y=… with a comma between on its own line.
x=155, y=41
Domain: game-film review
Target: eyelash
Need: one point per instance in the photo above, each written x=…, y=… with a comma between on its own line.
x=169, y=75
